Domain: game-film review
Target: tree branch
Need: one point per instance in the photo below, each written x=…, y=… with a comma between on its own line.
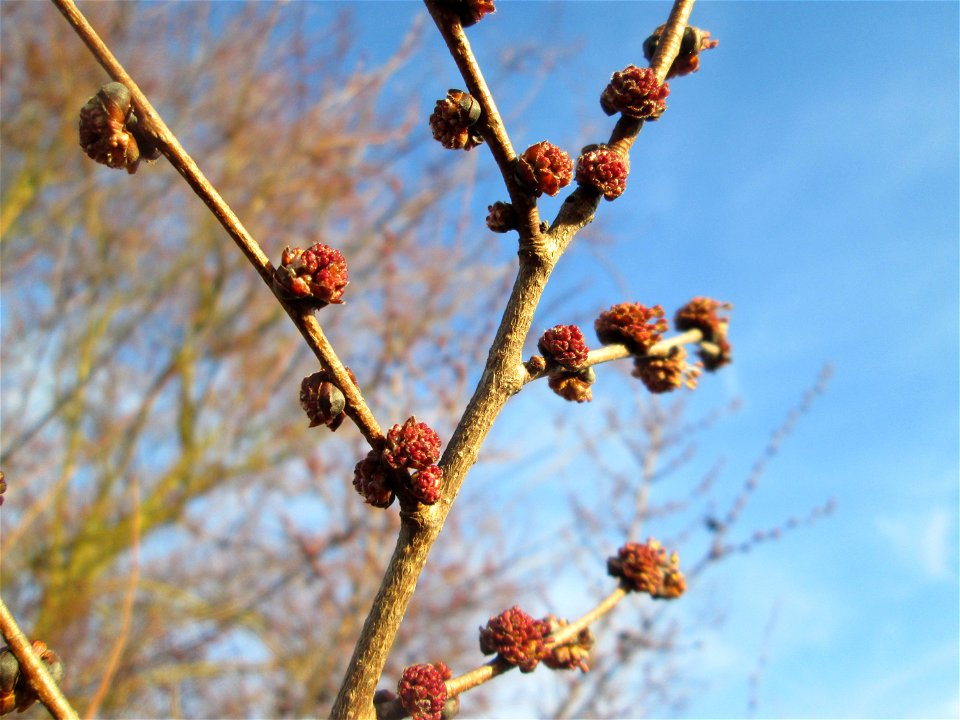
x=34, y=668
x=171, y=148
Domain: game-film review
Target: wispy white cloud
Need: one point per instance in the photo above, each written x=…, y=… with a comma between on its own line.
x=924, y=541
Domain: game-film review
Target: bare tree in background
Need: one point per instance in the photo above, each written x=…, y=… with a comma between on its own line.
x=173, y=528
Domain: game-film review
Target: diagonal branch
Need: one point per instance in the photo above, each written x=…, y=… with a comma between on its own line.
x=171, y=148
x=33, y=667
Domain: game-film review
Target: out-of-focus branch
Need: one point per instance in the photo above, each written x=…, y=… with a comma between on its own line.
x=171, y=148
x=123, y=636
x=33, y=667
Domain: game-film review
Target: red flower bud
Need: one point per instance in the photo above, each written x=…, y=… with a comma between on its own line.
x=317, y=276
x=544, y=168
x=636, y=93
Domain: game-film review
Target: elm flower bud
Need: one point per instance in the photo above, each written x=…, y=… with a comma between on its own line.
x=636, y=93
x=564, y=346
x=661, y=374
x=16, y=692
x=425, y=484
x=372, y=480
x=3, y=487
x=631, y=324
x=516, y=637
x=701, y=314
x=322, y=401
x=501, y=217
x=104, y=136
x=453, y=121
x=604, y=169
x=316, y=276
x=573, y=386
x=647, y=568
x=572, y=654
x=691, y=43
x=412, y=445
x=422, y=691
x=544, y=168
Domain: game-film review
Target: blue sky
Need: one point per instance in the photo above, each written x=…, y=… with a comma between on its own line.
x=809, y=175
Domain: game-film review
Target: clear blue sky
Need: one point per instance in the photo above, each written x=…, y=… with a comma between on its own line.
x=808, y=174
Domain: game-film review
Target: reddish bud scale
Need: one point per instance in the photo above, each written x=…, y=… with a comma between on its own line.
x=412, y=445
x=422, y=692
x=636, y=93
x=631, y=324
x=516, y=637
x=544, y=168
x=604, y=170
x=564, y=345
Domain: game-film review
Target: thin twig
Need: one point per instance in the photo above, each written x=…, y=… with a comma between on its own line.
x=171, y=148
x=113, y=662
x=34, y=668
x=608, y=353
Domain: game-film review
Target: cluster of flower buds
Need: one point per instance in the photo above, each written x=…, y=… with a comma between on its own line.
x=316, y=276
x=110, y=132
x=501, y=217
x=454, y=119
x=422, y=690
x=565, y=355
x=701, y=314
x=16, y=692
x=691, y=43
x=666, y=373
x=3, y=487
x=570, y=655
x=648, y=568
x=471, y=11
x=636, y=93
x=516, y=637
x=544, y=168
x=322, y=401
x=637, y=326
x=410, y=447
x=604, y=169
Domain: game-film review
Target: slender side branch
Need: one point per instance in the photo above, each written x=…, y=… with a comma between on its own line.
x=609, y=353
x=494, y=131
x=171, y=148
x=33, y=667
